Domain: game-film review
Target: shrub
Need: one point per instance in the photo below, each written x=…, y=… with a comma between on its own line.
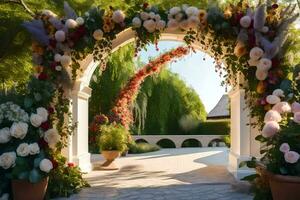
x=136, y=148
x=114, y=137
x=212, y=128
x=226, y=139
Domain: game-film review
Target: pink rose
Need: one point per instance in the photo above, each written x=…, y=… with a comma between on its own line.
x=273, y=99
x=291, y=157
x=297, y=117
x=295, y=107
x=270, y=129
x=272, y=115
x=284, y=147
x=282, y=107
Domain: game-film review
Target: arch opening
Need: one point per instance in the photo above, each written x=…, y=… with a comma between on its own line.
x=191, y=143
x=166, y=143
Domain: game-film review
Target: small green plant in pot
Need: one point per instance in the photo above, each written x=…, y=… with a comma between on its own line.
x=113, y=141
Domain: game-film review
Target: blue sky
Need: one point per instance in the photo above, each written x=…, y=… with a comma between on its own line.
x=197, y=73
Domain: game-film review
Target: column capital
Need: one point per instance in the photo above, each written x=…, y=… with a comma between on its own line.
x=81, y=90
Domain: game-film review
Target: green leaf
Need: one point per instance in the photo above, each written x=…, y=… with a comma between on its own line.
x=37, y=162
x=283, y=171
x=28, y=102
x=23, y=175
x=37, y=96
x=260, y=138
x=35, y=176
x=250, y=177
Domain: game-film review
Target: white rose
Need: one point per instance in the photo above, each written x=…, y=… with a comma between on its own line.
x=52, y=137
x=4, y=135
x=65, y=60
x=136, y=22
x=71, y=23
x=161, y=24
x=80, y=21
x=144, y=16
x=8, y=160
x=192, y=11
x=19, y=130
x=279, y=93
x=34, y=149
x=46, y=165
x=150, y=25
x=261, y=74
x=36, y=120
x=60, y=36
x=273, y=99
x=118, y=16
x=291, y=157
x=174, y=11
x=173, y=24
x=256, y=53
x=23, y=150
x=43, y=113
x=282, y=107
x=284, y=147
x=57, y=57
x=264, y=64
x=98, y=34
x=245, y=21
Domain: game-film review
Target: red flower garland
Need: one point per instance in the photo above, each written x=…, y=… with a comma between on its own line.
x=121, y=111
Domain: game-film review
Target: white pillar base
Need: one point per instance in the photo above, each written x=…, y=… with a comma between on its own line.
x=83, y=162
x=233, y=166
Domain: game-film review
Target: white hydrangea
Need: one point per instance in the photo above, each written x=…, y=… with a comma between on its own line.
x=13, y=113
x=4, y=135
x=8, y=160
x=46, y=165
x=173, y=24
x=23, y=150
x=161, y=24
x=279, y=93
x=60, y=36
x=149, y=25
x=19, y=130
x=80, y=21
x=245, y=21
x=192, y=11
x=66, y=60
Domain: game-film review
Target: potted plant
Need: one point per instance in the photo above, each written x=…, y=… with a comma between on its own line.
x=113, y=141
x=25, y=151
x=278, y=171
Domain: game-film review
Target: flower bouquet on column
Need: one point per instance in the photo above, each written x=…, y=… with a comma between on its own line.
x=27, y=141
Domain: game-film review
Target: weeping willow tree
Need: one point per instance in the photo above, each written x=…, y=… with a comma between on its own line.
x=163, y=101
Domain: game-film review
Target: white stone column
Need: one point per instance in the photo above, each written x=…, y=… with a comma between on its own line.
x=242, y=146
x=79, y=140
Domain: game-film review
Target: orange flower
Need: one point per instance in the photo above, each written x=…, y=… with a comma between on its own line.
x=240, y=49
x=261, y=87
x=39, y=69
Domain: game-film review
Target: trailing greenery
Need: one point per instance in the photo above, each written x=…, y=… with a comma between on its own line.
x=136, y=148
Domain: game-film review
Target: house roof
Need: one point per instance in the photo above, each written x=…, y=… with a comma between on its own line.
x=221, y=110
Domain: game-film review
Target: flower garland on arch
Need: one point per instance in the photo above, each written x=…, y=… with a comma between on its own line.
x=121, y=112
x=251, y=39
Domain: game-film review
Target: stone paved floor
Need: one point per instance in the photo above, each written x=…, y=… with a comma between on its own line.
x=169, y=174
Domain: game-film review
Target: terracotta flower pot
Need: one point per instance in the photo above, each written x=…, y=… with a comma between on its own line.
x=284, y=187
x=110, y=156
x=24, y=190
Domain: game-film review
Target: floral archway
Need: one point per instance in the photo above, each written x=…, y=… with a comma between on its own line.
x=252, y=40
